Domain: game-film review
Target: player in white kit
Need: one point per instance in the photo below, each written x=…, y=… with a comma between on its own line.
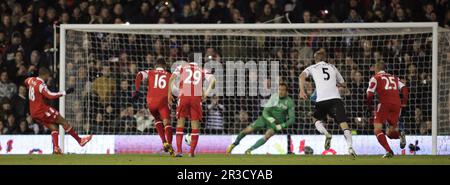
x=327, y=79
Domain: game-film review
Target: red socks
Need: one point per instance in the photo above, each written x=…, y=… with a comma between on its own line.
x=160, y=130
x=194, y=137
x=382, y=140
x=179, y=134
x=55, y=135
x=73, y=134
x=169, y=133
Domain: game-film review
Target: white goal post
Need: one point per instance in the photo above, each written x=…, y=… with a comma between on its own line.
x=302, y=30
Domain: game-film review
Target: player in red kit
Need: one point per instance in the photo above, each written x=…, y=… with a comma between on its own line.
x=158, y=83
x=46, y=115
x=190, y=100
x=387, y=88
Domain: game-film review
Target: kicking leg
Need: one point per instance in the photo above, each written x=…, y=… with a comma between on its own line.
x=69, y=129
x=240, y=136
x=262, y=141
x=393, y=132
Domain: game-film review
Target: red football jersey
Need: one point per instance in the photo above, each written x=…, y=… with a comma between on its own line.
x=37, y=92
x=387, y=87
x=191, y=79
x=158, y=83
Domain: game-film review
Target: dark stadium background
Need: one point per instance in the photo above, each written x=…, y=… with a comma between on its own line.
x=26, y=39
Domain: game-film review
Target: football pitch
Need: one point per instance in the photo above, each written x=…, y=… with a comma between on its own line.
x=217, y=159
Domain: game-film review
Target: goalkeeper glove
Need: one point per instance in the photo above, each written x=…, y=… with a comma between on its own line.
x=70, y=90
x=271, y=120
x=278, y=127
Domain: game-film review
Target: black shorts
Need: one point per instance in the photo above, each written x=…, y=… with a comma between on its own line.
x=334, y=108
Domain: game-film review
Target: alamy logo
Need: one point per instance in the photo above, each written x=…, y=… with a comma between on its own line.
x=233, y=78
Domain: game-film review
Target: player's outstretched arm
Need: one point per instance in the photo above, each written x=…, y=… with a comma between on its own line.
x=137, y=83
x=302, y=81
x=52, y=95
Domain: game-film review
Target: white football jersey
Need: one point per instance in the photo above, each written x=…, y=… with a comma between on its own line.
x=325, y=77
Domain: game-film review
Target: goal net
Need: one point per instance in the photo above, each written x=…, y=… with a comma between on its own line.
x=101, y=62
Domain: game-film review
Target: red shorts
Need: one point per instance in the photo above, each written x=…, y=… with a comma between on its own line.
x=190, y=107
x=46, y=116
x=388, y=112
x=159, y=109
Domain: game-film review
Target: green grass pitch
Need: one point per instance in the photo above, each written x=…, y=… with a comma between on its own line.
x=218, y=159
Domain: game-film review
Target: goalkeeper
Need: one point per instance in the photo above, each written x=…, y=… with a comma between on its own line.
x=278, y=113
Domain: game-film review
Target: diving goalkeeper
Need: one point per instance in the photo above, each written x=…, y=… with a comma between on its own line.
x=278, y=113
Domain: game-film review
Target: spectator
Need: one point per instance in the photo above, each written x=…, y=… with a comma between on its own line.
x=10, y=52
x=30, y=42
x=7, y=25
x=118, y=11
x=196, y=11
x=353, y=17
x=446, y=20
x=104, y=86
x=20, y=107
x=146, y=15
x=307, y=17
x=379, y=16
x=3, y=129
x=251, y=15
x=3, y=44
x=35, y=127
x=65, y=18
x=11, y=124
x=186, y=16
x=378, y=5
x=23, y=128
x=7, y=88
x=267, y=14
x=400, y=16
x=429, y=10
x=125, y=92
x=215, y=115
x=127, y=120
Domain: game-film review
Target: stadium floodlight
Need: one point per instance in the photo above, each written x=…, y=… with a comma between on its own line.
x=100, y=61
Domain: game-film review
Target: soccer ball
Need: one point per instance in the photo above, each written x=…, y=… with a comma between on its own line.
x=188, y=139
